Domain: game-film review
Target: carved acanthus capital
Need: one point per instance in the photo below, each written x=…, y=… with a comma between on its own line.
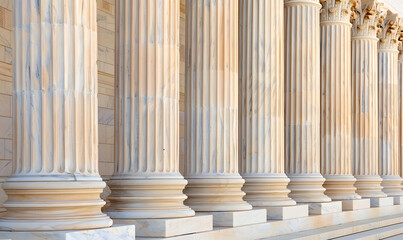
x=401, y=45
x=338, y=10
x=390, y=32
x=369, y=18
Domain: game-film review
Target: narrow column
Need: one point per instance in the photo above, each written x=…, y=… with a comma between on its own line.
x=388, y=106
x=336, y=99
x=400, y=81
x=55, y=183
x=146, y=182
x=302, y=101
x=212, y=107
x=365, y=100
x=261, y=103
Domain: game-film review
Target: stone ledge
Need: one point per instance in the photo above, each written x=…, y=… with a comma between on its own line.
x=237, y=218
x=382, y=202
x=169, y=227
x=324, y=208
x=287, y=212
x=114, y=232
x=275, y=227
x=356, y=204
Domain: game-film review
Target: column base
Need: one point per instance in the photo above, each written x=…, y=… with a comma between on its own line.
x=398, y=200
x=114, y=232
x=340, y=187
x=267, y=190
x=325, y=208
x=286, y=212
x=169, y=227
x=356, y=204
x=145, y=198
x=307, y=188
x=216, y=194
x=382, y=202
x=53, y=203
x=369, y=186
x=392, y=185
x=237, y=218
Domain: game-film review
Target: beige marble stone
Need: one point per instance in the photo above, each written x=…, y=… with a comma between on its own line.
x=237, y=218
x=212, y=107
x=261, y=103
x=287, y=212
x=146, y=183
x=388, y=105
x=169, y=227
x=127, y=232
x=302, y=100
x=382, y=201
x=325, y=207
x=356, y=204
x=365, y=140
x=335, y=75
x=55, y=183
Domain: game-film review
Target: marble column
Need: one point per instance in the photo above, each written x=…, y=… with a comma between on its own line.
x=388, y=105
x=212, y=107
x=261, y=108
x=55, y=183
x=364, y=74
x=302, y=101
x=400, y=81
x=146, y=183
x=335, y=74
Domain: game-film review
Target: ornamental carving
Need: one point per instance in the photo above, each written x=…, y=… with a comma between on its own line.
x=390, y=32
x=368, y=18
x=338, y=10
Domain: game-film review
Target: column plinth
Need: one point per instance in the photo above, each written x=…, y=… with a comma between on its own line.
x=302, y=101
x=388, y=105
x=212, y=107
x=55, y=183
x=146, y=183
x=336, y=99
x=365, y=100
x=261, y=101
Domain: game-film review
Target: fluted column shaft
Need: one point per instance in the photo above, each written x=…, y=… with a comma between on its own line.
x=400, y=82
x=55, y=183
x=146, y=182
x=261, y=98
x=364, y=74
x=302, y=100
x=212, y=107
x=388, y=106
x=336, y=99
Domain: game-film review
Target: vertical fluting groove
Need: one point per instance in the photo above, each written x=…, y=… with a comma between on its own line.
x=261, y=103
x=400, y=118
x=212, y=107
x=335, y=146
x=148, y=88
x=388, y=104
x=302, y=100
x=55, y=183
x=364, y=77
x=364, y=107
x=146, y=182
x=54, y=93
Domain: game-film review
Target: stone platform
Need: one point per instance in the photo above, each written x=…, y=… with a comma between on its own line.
x=126, y=232
x=236, y=218
x=291, y=226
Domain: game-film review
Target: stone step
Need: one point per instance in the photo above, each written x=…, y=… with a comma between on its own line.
x=348, y=229
x=396, y=237
x=375, y=234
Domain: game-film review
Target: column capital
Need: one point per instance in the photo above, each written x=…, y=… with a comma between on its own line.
x=338, y=10
x=390, y=32
x=368, y=19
